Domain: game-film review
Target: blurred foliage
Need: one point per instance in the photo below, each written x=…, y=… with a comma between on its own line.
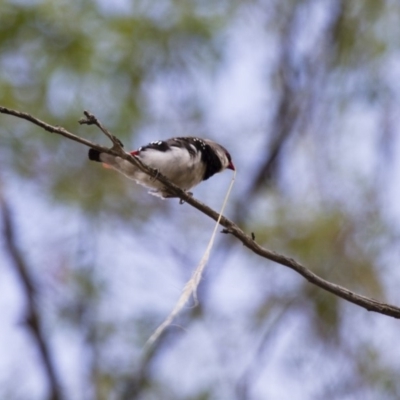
x=304, y=94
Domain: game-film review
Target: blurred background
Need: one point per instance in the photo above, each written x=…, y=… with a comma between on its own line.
x=305, y=96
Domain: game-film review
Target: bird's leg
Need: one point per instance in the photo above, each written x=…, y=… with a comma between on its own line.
x=154, y=178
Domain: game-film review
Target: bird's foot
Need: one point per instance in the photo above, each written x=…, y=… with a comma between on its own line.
x=181, y=201
x=154, y=178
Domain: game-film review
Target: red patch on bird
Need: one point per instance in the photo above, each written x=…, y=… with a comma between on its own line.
x=106, y=165
x=134, y=153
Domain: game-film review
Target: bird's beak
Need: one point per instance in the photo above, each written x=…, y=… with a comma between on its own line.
x=231, y=166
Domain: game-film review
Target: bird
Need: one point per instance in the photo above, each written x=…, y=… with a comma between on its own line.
x=185, y=161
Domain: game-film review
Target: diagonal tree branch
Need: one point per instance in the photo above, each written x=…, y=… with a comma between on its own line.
x=230, y=227
x=33, y=320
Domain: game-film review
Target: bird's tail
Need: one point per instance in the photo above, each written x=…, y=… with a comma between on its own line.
x=116, y=163
x=94, y=155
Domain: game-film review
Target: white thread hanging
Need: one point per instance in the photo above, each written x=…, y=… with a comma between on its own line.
x=191, y=286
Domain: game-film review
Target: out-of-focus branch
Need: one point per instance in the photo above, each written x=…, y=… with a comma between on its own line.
x=301, y=83
x=230, y=227
x=290, y=105
x=287, y=111
x=33, y=318
x=253, y=370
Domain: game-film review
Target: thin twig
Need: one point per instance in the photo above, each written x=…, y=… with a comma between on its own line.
x=340, y=291
x=92, y=120
x=33, y=318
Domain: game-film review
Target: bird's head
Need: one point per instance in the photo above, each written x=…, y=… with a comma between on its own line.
x=223, y=155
